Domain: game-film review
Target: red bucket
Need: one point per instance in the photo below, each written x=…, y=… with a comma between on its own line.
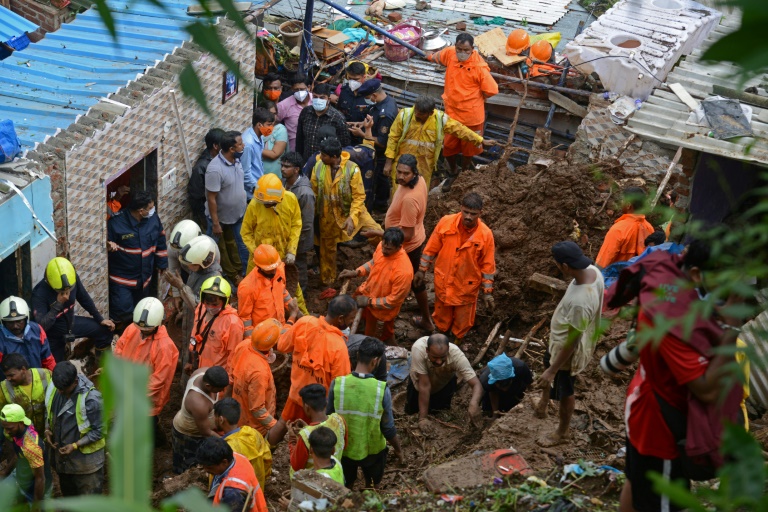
x=409, y=31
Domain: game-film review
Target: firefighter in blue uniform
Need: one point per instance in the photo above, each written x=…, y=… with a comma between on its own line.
x=381, y=114
x=136, y=245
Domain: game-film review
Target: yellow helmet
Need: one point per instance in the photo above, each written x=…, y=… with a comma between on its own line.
x=265, y=335
x=270, y=189
x=216, y=285
x=60, y=274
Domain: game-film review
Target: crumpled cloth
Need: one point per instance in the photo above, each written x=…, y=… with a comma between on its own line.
x=496, y=20
x=356, y=34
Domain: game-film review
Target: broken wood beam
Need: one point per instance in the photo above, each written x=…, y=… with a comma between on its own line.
x=567, y=103
x=487, y=344
x=503, y=344
x=530, y=335
x=547, y=284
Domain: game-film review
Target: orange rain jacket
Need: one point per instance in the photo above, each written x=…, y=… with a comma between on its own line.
x=260, y=298
x=463, y=260
x=253, y=387
x=224, y=336
x=388, y=283
x=159, y=352
x=319, y=354
x=467, y=85
x=625, y=239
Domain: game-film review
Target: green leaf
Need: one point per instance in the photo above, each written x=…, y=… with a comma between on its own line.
x=676, y=492
x=8, y=494
x=94, y=504
x=191, y=87
x=234, y=15
x=746, y=474
x=106, y=17
x=130, y=438
x=189, y=499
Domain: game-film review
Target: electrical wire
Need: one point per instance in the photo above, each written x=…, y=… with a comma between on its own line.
x=620, y=57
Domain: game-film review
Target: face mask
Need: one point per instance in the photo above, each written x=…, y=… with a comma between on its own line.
x=150, y=213
x=212, y=311
x=319, y=104
x=369, y=101
x=271, y=357
x=463, y=56
x=272, y=95
x=239, y=154
x=266, y=131
x=354, y=85
x=300, y=96
x=345, y=331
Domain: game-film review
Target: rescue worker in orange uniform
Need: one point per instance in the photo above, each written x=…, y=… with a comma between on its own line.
x=320, y=355
x=262, y=294
x=468, y=83
x=626, y=238
x=462, y=250
x=389, y=280
x=252, y=384
x=146, y=341
x=234, y=483
x=217, y=329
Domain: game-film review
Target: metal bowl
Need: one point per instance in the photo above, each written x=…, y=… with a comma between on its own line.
x=434, y=43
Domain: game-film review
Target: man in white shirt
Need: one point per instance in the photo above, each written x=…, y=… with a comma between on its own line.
x=573, y=336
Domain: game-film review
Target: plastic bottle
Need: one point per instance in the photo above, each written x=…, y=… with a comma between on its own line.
x=638, y=104
x=610, y=95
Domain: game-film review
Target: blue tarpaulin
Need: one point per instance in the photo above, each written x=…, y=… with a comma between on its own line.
x=13, y=32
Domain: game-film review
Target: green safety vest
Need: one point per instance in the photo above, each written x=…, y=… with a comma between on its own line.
x=345, y=186
x=442, y=120
x=336, y=473
x=361, y=403
x=333, y=422
x=39, y=384
x=83, y=424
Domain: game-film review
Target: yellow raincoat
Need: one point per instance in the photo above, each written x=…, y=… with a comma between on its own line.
x=279, y=227
x=249, y=443
x=338, y=198
x=424, y=140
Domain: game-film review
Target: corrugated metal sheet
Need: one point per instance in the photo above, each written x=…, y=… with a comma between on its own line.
x=755, y=334
x=52, y=82
x=664, y=116
x=11, y=24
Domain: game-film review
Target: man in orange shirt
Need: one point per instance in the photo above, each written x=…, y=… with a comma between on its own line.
x=389, y=281
x=262, y=294
x=217, y=329
x=462, y=250
x=468, y=83
x=252, y=383
x=626, y=238
x=146, y=341
x=319, y=355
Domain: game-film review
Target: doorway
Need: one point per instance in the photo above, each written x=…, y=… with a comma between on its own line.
x=16, y=273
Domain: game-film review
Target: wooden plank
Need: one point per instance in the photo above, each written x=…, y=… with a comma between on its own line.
x=490, y=42
x=567, y=103
x=684, y=96
x=547, y=284
x=507, y=60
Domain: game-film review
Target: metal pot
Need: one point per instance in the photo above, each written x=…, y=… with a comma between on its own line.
x=433, y=41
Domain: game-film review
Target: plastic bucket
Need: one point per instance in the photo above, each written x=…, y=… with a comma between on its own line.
x=291, y=32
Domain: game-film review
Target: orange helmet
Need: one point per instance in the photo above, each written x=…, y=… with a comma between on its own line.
x=517, y=42
x=265, y=335
x=541, y=50
x=266, y=257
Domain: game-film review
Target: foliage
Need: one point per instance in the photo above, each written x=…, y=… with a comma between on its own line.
x=129, y=448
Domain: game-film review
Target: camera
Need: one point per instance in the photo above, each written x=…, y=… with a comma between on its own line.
x=69, y=338
x=619, y=358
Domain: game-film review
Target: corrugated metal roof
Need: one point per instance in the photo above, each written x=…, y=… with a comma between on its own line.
x=52, y=82
x=11, y=24
x=663, y=118
x=755, y=334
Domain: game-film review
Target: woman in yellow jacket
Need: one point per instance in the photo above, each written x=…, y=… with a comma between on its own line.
x=273, y=217
x=340, y=204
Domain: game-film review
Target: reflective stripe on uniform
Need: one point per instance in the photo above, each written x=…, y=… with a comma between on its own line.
x=375, y=414
x=123, y=281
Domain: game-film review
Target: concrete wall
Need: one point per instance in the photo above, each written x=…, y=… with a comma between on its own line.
x=150, y=124
x=48, y=17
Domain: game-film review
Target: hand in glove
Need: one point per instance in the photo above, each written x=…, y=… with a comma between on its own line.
x=488, y=302
x=290, y=259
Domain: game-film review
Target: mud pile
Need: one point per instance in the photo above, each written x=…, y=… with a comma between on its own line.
x=529, y=210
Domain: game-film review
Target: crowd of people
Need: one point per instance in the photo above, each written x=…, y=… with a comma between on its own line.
x=308, y=175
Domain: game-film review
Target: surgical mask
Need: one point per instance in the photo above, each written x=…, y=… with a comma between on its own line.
x=150, y=213
x=272, y=95
x=345, y=331
x=354, y=85
x=463, y=56
x=369, y=101
x=266, y=131
x=319, y=104
x=239, y=154
x=300, y=96
x=271, y=357
x=212, y=311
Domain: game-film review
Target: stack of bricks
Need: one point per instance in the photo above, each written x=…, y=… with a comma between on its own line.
x=47, y=17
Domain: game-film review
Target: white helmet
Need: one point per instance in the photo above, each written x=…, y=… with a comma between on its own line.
x=201, y=250
x=149, y=313
x=13, y=309
x=183, y=232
